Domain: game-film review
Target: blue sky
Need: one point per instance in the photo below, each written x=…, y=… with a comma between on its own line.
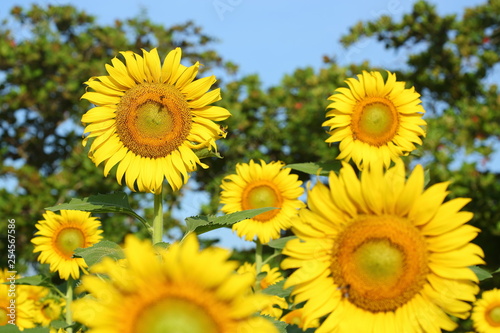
x=268, y=38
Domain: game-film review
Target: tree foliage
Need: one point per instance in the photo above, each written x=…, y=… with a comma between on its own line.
x=451, y=62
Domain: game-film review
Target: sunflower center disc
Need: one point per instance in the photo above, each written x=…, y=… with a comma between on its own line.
x=493, y=316
x=175, y=315
x=153, y=119
x=381, y=261
x=260, y=195
x=375, y=121
x=68, y=240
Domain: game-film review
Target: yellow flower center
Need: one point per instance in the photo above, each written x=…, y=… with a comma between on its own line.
x=493, y=316
x=375, y=121
x=262, y=194
x=153, y=119
x=380, y=262
x=180, y=308
x=3, y=316
x=176, y=315
x=69, y=239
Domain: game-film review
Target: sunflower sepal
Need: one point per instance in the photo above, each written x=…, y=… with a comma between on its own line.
x=207, y=153
x=204, y=223
x=96, y=253
x=161, y=246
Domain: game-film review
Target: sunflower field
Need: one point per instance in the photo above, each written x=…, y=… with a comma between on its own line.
x=369, y=193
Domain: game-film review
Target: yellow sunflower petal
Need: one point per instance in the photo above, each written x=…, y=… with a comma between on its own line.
x=170, y=65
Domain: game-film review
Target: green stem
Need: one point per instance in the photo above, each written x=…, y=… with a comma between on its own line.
x=258, y=261
x=158, y=219
x=272, y=256
x=69, y=300
x=57, y=291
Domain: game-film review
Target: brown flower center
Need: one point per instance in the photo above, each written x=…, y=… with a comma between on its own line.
x=153, y=119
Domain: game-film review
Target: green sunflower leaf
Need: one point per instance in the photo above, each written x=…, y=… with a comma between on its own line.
x=202, y=224
x=316, y=168
x=481, y=273
x=277, y=289
x=102, y=203
x=35, y=280
x=57, y=324
x=280, y=242
x=97, y=252
x=427, y=177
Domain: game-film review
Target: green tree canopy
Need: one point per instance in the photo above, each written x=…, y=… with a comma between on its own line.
x=451, y=62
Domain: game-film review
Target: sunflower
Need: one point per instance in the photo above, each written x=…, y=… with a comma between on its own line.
x=382, y=253
x=48, y=307
x=181, y=289
x=150, y=117
x=486, y=312
x=272, y=276
x=48, y=310
x=258, y=186
x=375, y=121
x=59, y=235
x=15, y=305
